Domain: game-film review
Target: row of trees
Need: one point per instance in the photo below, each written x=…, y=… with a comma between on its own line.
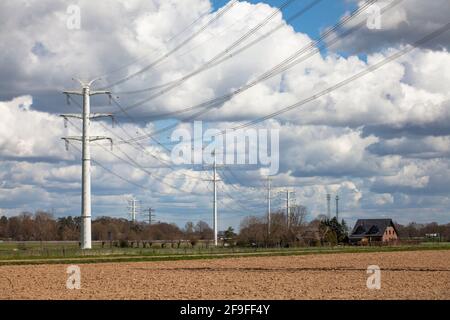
x=254, y=231
x=42, y=226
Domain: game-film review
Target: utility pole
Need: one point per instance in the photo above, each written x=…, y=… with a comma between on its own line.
x=268, y=205
x=328, y=206
x=215, y=179
x=215, y=199
x=150, y=215
x=133, y=208
x=288, y=205
x=85, y=139
x=337, y=208
x=288, y=212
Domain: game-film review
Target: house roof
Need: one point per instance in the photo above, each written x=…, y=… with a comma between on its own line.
x=371, y=228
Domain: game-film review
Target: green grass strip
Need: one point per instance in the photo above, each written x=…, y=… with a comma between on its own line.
x=199, y=256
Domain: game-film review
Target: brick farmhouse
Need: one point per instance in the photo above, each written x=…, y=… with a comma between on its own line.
x=374, y=230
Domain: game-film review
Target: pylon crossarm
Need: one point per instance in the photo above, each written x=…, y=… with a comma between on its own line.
x=98, y=138
x=72, y=138
x=93, y=93
x=103, y=115
x=72, y=115
x=212, y=180
x=78, y=93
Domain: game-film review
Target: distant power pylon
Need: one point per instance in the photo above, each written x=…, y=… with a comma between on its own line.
x=150, y=215
x=337, y=208
x=133, y=208
x=86, y=139
x=328, y=206
x=215, y=179
x=288, y=199
x=269, y=209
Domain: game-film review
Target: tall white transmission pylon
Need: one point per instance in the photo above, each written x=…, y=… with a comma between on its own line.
x=85, y=139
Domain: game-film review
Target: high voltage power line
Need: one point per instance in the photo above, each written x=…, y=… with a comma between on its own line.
x=226, y=193
x=344, y=82
x=224, y=54
x=368, y=70
x=112, y=172
x=239, y=188
x=135, y=164
x=140, y=147
x=281, y=67
x=184, y=30
x=178, y=47
x=212, y=36
x=239, y=180
x=132, y=162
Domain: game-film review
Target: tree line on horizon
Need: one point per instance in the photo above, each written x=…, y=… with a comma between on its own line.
x=254, y=231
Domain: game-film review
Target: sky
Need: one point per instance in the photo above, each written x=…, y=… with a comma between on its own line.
x=381, y=142
x=325, y=14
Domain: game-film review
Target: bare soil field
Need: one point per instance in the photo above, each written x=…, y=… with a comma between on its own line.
x=404, y=275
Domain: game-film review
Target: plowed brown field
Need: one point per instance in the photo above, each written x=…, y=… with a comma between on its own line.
x=404, y=275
